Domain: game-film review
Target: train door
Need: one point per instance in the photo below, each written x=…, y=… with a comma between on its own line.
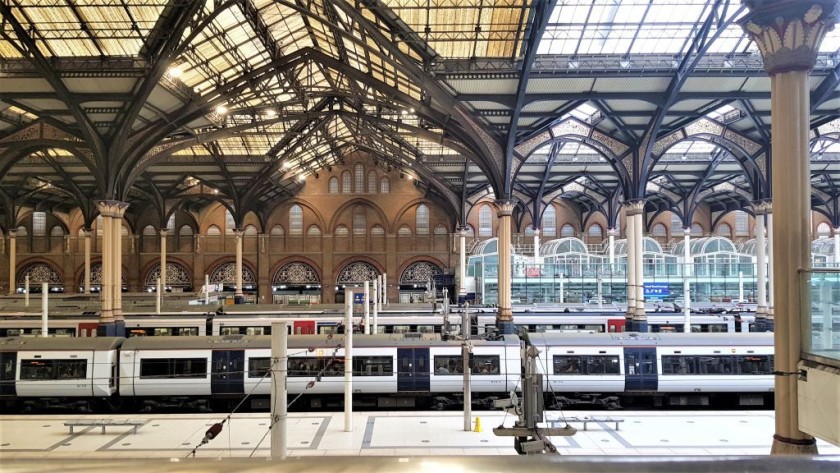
x=87, y=329
x=616, y=325
x=413, y=369
x=8, y=363
x=228, y=372
x=640, y=369
x=304, y=327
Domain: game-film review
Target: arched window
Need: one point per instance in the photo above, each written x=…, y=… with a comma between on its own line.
x=385, y=186
x=742, y=225
x=659, y=230
x=22, y=232
x=676, y=225
x=213, y=230
x=123, y=231
x=170, y=224
x=185, y=230
x=313, y=231
x=724, y=230
x=296, y=220
x=696, y=229
x=404, y=231
x=595, y=230
x=250, y=230
x=278, y=230
x=549, y=222
x=529, y=230
x=39, y=223
x=333, y=185
x=567, y=230
x=377, y=231
x=341, y=231
x=823, y=230
x=422, y=219
x=360, y=179
x=372, y=182
x=230, y=223
x=345, y=182
x=359, y=221
x=470, y=231
x=440, y=230
x=485, y=221
x=149, y=230
x=57, y=231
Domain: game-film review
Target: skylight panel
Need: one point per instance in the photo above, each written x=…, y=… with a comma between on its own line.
x=831, y=42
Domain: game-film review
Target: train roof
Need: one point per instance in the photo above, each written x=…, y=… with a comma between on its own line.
x=59, y=343
x=228, y=342
x=652, y=339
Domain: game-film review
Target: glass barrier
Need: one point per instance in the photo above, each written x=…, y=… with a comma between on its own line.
x=821, y=313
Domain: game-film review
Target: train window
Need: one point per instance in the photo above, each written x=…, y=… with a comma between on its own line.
x=586, y=364
x=258, y=367
x=188, y=331
x=426, y=328
x=401, y=328
x=229, y=331
x=255, y=331
x=481, y=365
x=678, y=364
x=112, y=381
x=162, y=331
x=754, y=364
x=313, y=366
x=173, y=368
x=714, y=365
x=53, y=369
x=373, y=366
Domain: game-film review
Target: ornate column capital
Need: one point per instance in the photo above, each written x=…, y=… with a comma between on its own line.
x=12, y=233
x=614, y=231
x=761, y=207
x=789, y=32
x=238, y=232
x=634, y=207
x=163, y=231
x=504, y=207
x=87, y=231
x=687, y=231
x=536, y=232
x=111, y=208
x=463, y=230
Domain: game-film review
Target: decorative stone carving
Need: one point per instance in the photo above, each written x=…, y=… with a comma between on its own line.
x=226, y=274
x=296, y=273
x=357, y=273
x=789, y=32
x=111, y=208
x=634, y=207
x=40, y=273
x=570, y=126
x=52, y=133
x=419, y=272
x=524, y=149
x=504, y=208
x=615, y=146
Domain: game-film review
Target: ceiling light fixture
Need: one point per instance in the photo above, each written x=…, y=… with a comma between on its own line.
x=271, y=112
x=221, y=110
x=174, y=72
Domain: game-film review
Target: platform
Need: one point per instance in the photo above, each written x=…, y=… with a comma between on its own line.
x=387, y=434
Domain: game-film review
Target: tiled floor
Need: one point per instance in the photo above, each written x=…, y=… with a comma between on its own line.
x=389, y=434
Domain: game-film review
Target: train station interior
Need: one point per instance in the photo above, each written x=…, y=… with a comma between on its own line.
x=633, y=156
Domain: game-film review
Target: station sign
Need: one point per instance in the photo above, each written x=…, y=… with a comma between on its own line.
x=657, y=289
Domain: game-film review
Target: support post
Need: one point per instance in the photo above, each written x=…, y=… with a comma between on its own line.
x=686, y=278
x=630, y=269
x=348, y=361
x=206, y=289
x=640, y=318
x=562, y=288
x=761, y=268
x=238, y=296
x=611, y=248
x=158, y=290
x=45, y=309
x=504, y=318
x=279, y=397
x=600, y=291
x=12, y=261
x=26, y=290
x=465, y=352
x=163, y=259
x=769, y=321
x=788, y=63
x=366, y=321
x=385, y=288
x=462, y=265
x=375, y=328
x=87, y=236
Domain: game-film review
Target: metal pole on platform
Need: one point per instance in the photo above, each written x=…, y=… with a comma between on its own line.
x=45, y=309
x=385, y=288
x=157, y=296
x=562, y=288
x=465, y=351
x=348, y=361
x=600, y=292
x=206, y=289
x=740, y=286
x=26, y=290
x=367, y=308
x=279, y=398
x=375, y=328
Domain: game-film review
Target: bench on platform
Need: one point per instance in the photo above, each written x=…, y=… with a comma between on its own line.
x=104, y=423
x=586, y=420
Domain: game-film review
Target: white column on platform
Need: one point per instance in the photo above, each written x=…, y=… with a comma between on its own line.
x=611, y=248
x=375, y=328
x=116, y=230
x=367, y=308
x=760, y=262
x=640, y=267
x=87, y=233
x=770, y=288
x=163, y=281
x=12, y=261
x=630, y=269
x=537, y=257
x=687, y=278
x=106, y=290
x=385, y=288
x=836, y=248
x=348, y=361
x=462, y=262
x=45, y=309
x=279, y=397
x=238, y=239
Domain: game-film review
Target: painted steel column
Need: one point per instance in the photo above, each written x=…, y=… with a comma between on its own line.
x=687, y=263
x=87, y=232
x=630, y=269
x=116, y=229
x=45, y=309
x=462, y=264
x=375, y=328
x=367, y=308
x=163, y=260
x=279, y=396
x=611, y=249
x=348, y=361
x=761, y=268
x=12, y=261
x=106, y=317
x=640, y=318
x=504, y=318
x=769, y=323
x=238, y=295
x=802, y=25
x=537, y=257
x=385, y=288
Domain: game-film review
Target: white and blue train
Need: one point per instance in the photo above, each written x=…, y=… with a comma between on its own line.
x=389, y=370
